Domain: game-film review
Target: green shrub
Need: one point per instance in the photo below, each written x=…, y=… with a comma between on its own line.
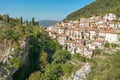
x=107, y=44
x=114, y=45
x=67, y=69
x=97, y=51
x=15, y=62
x=78, y=57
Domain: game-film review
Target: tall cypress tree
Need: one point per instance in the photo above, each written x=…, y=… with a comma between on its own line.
x=27, y=22
x=21, y=20
x=33, y=21
x=7, y=20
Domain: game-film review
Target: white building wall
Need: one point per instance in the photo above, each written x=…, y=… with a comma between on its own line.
x=112, y=38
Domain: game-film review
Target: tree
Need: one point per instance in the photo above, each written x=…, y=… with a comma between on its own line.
x=1, y=17
x=21, y=20
x=34, y=76
x=107, y=45
x=52, y=72
x=36, y=24
x=43, y=60
x=27, y=22
x=33, y=21
x=7, y=19
x=114, y=45
x=61, y=56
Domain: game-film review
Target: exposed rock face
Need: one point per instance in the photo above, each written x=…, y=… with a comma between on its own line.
x=7, y=53
x=81, y=73
x=25, y=52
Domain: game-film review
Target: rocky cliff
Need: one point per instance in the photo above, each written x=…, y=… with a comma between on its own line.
x=81, y=74
x=11, y=57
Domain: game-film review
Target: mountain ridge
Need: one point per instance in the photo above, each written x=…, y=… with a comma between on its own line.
x=47, y=23
x=98, y=7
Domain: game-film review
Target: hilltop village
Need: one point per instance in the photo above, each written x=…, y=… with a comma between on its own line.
x=86, y=34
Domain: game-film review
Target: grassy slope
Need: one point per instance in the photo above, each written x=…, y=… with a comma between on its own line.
x=99, y=7
x=105, y=66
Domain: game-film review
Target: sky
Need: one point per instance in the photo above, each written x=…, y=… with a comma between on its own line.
x=41, y=9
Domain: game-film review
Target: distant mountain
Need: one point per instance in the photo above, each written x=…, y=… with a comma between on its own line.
x=98, y=7
x=47, y=23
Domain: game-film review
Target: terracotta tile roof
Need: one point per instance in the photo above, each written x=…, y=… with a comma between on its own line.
x=82, y=40
x=76, y=24
x=103, y=25
x=62, y=35
x=78, y=29
x=94, y=29
x=52, y=31
x=110, y=31
x=98, y=40
x=74, y=42
x=118, y=28
x=94, y=44
x=82, y=46
x=64, y=27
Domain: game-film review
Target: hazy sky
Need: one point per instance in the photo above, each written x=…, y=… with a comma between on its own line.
x=41, y=9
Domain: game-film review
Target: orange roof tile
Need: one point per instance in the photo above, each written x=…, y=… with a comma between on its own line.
x=112, y=31
x=98, y=40
x=52, y=31
x=62, y=35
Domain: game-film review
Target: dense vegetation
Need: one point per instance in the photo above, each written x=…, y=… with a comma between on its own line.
x=6, y=19
x=99, y=7
x=45, y=61
x=41, y=49
x=13, y=31
x=48, y=61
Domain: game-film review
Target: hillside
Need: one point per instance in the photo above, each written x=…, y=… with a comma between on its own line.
x=18, y=40
x=28, y=53
x=47, y=23
x=99, y=7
